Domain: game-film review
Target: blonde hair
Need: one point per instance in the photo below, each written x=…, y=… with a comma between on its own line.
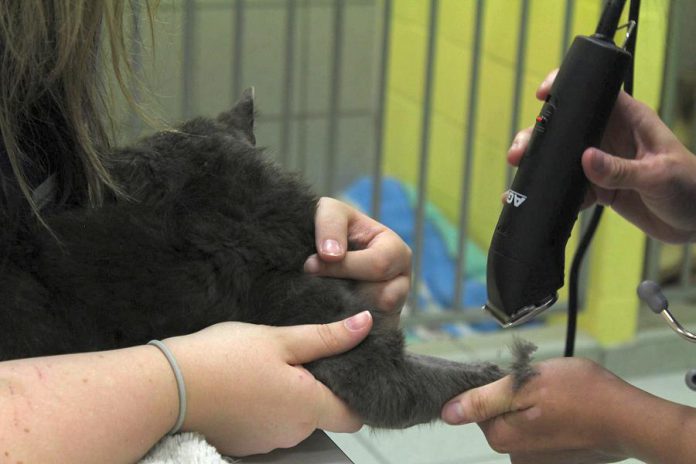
x=50, y=61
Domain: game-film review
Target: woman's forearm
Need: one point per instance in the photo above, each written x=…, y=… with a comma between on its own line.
x=101, y=407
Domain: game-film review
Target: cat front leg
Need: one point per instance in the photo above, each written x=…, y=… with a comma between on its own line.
x=390, y=388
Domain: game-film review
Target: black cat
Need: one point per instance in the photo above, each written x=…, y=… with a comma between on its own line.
x=211, y=232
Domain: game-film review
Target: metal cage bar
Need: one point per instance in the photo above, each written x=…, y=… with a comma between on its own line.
x=286, y=110
x=667, y=111
x=424, y=151
x=334, y=98
x=382, y=79
x=519, y=78
x=567, y=27
x=135, y=123
x=237, y=60
x=303, y=90
x=468, y=156
x=189, y=32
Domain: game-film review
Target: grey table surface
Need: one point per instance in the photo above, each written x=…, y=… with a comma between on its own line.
x=317, y=449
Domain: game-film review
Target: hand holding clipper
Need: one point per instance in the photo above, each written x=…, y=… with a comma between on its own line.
x=526, y=256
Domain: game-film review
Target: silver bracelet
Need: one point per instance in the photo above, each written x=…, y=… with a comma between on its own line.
x=179, y=383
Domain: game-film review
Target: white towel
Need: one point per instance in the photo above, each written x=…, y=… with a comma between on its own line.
x=188, y=448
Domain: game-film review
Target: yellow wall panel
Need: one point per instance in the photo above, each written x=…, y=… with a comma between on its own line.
x=456, y=21
x=445, y=171
x=452, y=79
x=402, y=138
x=412, y=11
x=406, y=73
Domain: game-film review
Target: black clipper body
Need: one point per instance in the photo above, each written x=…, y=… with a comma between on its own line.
x=527, y=253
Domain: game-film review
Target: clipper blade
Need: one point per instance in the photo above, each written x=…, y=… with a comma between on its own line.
x=522, y=315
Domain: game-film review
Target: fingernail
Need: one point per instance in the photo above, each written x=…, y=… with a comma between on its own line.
x=517, y=141
x=331, y=247
x=358, y=322
x=311, y=266
x=599, y=162
x=454, y=413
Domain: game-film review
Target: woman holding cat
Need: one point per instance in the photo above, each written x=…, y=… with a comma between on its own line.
x=575, y=411
x=247, y=391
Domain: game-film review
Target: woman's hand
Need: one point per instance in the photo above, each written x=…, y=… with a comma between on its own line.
x=576, y=412
x=380, y=260
x=246, y=388
x=651, y=180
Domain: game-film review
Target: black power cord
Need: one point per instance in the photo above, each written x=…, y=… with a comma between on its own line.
x=586, y=239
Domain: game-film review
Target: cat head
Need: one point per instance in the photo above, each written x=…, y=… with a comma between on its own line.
x=240, y=119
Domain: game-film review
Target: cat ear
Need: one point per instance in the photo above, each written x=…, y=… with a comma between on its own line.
x=241, y=116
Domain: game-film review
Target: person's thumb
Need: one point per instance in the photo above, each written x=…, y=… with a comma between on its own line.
x=306, y=343
x=480, y=404
x=613, y=172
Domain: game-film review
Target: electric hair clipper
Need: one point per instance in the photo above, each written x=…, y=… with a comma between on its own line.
x=527, y=253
